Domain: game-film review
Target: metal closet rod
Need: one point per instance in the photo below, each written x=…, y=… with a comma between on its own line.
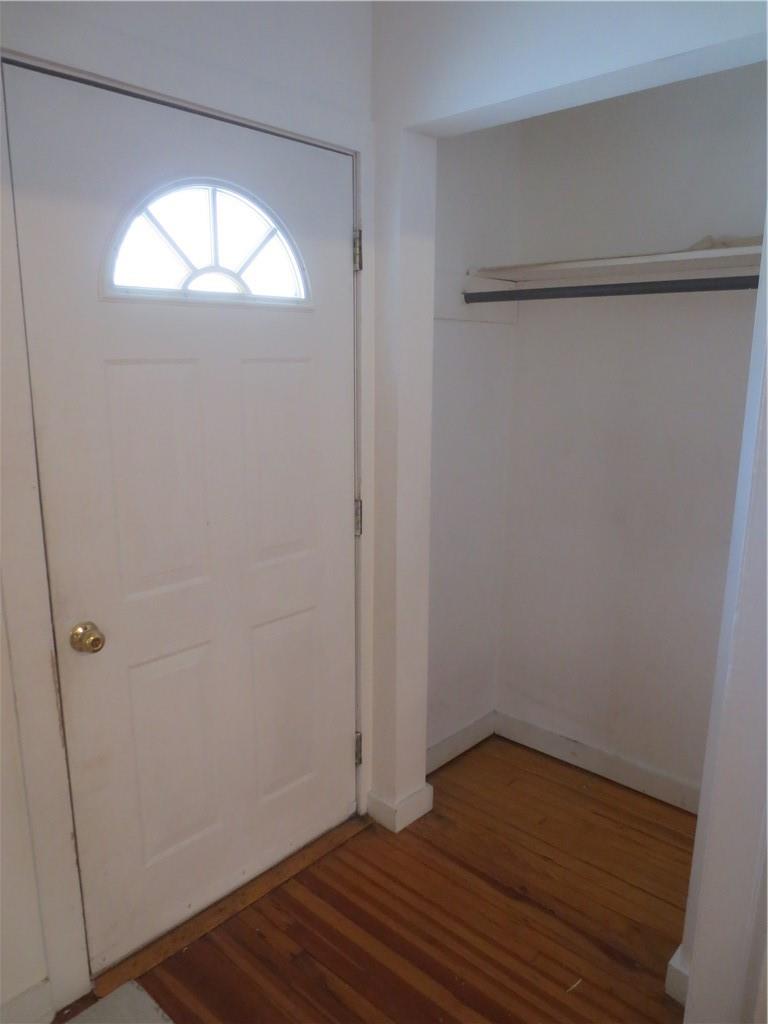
x=584, y=291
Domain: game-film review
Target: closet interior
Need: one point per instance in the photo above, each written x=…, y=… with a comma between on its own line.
x=595, y=300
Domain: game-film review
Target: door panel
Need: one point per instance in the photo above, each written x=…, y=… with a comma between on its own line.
x=196, y=463
x=158, y=475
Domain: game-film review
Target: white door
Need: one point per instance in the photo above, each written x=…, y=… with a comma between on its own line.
x=189, y=306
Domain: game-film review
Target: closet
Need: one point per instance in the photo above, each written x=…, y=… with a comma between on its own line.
x=595, y=298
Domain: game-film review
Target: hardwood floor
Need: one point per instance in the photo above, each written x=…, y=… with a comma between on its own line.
x=207, y=920
x=533, y=892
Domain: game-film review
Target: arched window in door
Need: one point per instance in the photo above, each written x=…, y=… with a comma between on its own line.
x=208, y=240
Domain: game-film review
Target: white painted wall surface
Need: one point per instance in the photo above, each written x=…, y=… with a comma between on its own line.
x=303, y=67
x=21, y=937
x=619, y=421
x=724, y=934
x=473, y=372
x=461, y=66
x=470, y=436
x=652, y=171
x=404, y=275
x=622, y=468
x=55, y=903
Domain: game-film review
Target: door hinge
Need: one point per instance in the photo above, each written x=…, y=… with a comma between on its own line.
x=358, y=517
x=357, y=249
x=358, y=748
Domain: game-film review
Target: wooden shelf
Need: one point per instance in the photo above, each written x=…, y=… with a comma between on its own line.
x=721, y=261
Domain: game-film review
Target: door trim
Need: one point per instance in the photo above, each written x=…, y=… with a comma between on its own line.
x=34, y=674
x=60, y=892
x=46, y=67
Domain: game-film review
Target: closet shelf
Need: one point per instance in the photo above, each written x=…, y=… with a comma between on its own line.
x=714, y=268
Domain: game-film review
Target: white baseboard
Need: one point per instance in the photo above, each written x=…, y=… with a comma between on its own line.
x=676, y=984
x=461, y=741
x=397, y=816
x=611, y=766
x=35, y=1006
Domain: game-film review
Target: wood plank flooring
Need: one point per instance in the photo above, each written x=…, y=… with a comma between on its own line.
x=534, y=891
x=207, y=920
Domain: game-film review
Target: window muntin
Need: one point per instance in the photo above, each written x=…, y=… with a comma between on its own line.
x=210, y=240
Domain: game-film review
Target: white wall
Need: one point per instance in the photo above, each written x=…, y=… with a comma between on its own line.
x=37, y=808
x=724, y=936
x=404, y=277
x=304, y=67
x=472, y=378
x=461, y=66
x=622, y=469
x=619, y=421
x=648, y=172
x=23, y=961
x=473, y=372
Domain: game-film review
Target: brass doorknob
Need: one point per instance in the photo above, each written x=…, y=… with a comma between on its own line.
x=87, y=638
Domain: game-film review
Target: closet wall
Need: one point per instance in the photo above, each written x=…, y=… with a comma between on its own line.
x=585, y=451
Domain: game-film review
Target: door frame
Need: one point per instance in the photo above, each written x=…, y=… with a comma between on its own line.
x=26, y=587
